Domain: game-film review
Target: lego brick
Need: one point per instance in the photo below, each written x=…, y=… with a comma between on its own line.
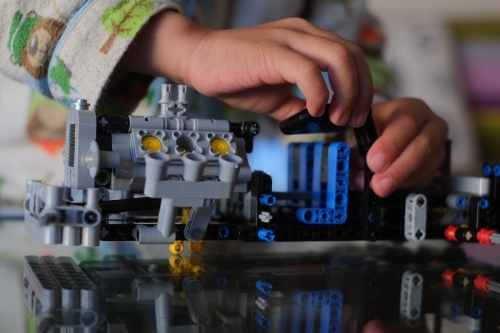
x=415, y=217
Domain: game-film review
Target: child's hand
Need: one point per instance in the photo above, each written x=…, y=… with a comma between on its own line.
x=410, y=147
x=255, y=68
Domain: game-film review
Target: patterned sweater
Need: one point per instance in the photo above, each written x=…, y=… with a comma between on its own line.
x=69, y=49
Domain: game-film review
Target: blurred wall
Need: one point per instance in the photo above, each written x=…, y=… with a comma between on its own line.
x=422, y=52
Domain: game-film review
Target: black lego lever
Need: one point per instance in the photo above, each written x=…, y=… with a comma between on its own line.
x=246, y=130
x=304, y=123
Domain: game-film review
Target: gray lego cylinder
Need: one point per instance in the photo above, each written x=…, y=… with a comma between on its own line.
x=163, y=311
x=91, y=236
x=52, y=234
x=229, y=167
x=194, y=165
x=110, y=159
x=166, y=218
x=156, y=165
x=209, y=125
x=89, y=298
x=92, y=196
x=29, y=203
x=457, y=201
x=53, y=195
x=70, y=298
x=72, y=236
x=182, y=94
x=151, y=235
x=81, y=104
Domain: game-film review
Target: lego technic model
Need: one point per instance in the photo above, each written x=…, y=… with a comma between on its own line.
x=168, y=178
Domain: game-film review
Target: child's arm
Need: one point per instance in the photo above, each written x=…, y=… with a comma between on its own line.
x=254, y=68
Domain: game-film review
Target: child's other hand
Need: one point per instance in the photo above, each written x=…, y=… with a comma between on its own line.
x=410, y=147
x=255, y=68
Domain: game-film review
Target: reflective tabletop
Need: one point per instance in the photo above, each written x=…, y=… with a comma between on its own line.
x=384, y=289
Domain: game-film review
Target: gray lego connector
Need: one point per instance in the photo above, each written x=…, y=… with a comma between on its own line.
x=170, y=107
x=415, y=217
x=411, y=295
x=49, y=219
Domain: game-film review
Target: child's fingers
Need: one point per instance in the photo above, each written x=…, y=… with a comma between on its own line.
x=399, y=130
x=418, y=160
x=339, y=62
x=364, y=95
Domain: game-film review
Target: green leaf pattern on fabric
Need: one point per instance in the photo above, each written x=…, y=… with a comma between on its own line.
x=125, y=20
x=61, y=76
x=19, y=33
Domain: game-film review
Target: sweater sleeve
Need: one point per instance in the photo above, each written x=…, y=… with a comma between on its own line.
x=68, y=50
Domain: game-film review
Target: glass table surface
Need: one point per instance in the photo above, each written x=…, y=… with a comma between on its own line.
x=383, y=289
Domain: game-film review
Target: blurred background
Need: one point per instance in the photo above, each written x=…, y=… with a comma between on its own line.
x=446, y=52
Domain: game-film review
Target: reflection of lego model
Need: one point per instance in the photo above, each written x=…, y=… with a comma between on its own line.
x=126, y=178
x=58, y=294
x=301, y=294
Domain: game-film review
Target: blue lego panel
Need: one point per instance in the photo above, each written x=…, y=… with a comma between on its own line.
x=338, y=176
x=306, y=162
x=329, y=185
x=293, y=169
x=319, y=175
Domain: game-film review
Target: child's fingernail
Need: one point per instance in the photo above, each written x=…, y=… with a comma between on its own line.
x=385, y=185
x=378, y=162
x=343, y=119
x=360, y=120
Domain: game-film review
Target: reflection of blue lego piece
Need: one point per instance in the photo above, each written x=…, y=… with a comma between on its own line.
x=223, y=232
x=263, y=287
x=327, y=305
x=266, y=235
x=454, y=310
x=263, y=322
x=477, y=313
x=221, y=282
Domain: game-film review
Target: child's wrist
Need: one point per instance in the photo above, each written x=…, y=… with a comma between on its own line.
x=164, y=47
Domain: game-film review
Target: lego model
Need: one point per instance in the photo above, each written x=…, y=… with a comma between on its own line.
x=169, y=178
x=300, y=294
